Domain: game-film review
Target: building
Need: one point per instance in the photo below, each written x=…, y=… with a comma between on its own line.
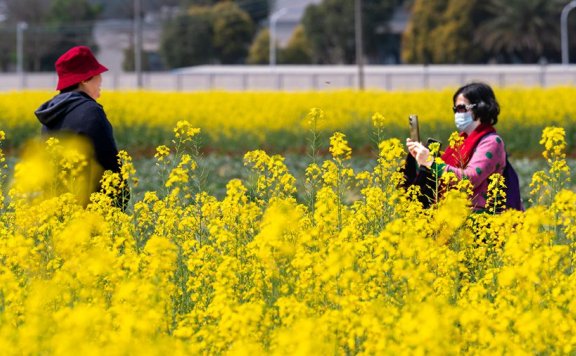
x=116, y=36
x=293, y=12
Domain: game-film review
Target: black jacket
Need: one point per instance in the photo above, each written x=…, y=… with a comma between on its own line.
x=76, y=112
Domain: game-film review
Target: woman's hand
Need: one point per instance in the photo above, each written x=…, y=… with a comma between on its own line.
x=419, y=152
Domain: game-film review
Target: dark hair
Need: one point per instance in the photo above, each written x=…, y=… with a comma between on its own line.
x=70, y=88
x=74, y=86
x=481, y=94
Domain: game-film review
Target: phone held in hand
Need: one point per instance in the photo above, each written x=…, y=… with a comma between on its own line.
x=414, y=128
x=431, y=140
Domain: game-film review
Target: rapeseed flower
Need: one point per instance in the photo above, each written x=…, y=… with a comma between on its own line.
x=361, y=269
x=339, y=147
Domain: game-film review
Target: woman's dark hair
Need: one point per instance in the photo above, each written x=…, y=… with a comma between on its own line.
x=487, y=108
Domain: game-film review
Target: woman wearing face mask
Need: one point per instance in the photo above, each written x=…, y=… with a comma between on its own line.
x=482, y=152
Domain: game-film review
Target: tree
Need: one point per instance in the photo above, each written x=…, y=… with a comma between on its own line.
x=260, y=50
x=53, y=27
x=187, y=39
x=442, y=31
x=330, y=28
x=258, y=10
x=417, y=43
x=453, y=40
x=233, y=30
x=64, y=12
x=31, y=11
x=521, y=29
x=36, y=42
x=124, y=9
x=219, y=33
x=298, y=50
x=7, y=41
x=198, y=3
x=73, y=21
x=474, y=31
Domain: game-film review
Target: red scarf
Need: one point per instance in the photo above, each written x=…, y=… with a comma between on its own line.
x=459, y=156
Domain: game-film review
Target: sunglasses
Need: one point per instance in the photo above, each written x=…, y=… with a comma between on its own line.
x=462, y=108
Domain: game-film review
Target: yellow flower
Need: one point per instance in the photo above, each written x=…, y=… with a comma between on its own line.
x=314, y=117
x=496, y=200
x=378, y=121
x=553, y=139
x=434, y=148
x=162, y=152
x=360, y=269
x=339, y=147
x=185, y=131
x=455, y=140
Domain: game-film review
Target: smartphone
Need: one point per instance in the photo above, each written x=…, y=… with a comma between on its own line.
x=414, y=128
x=432, y=140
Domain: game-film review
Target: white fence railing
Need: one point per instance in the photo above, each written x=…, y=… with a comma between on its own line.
x=299, y=78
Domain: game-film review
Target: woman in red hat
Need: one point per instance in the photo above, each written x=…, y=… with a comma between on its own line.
x=75, y=108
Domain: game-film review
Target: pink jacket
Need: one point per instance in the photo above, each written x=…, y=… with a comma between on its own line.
x=488, y=157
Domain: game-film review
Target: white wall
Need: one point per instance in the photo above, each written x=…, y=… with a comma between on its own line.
x=294, y=78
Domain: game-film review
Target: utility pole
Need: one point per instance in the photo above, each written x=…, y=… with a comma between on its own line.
x=138, y=42
x=359, y=44
x=20, y=28
x=564, y=31
x=273, y=20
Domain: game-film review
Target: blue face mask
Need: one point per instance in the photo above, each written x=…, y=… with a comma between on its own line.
x=463, y=120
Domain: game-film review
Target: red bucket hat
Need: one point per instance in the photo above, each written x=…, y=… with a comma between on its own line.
x=76, y=65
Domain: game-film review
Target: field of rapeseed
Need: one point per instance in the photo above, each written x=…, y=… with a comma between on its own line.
x=358, y=267
x=240, y=122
